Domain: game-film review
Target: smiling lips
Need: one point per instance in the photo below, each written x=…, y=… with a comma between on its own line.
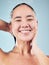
x=25, y=31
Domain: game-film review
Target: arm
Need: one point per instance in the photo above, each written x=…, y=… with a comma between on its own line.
x=4, y=26
x=48, y=56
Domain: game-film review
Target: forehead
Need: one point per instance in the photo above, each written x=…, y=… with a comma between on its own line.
x=23, y=10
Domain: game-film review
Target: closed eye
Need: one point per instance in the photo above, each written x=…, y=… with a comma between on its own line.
x=18, y=21
x=29, y=19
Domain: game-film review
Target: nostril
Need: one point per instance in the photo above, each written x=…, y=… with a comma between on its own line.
x=25, y=26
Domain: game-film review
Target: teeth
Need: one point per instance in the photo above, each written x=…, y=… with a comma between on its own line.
x=25, y=31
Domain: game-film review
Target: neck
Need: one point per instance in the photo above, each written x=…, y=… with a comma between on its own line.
x=24, y=47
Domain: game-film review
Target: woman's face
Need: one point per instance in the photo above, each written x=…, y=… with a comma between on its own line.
x=24, y=23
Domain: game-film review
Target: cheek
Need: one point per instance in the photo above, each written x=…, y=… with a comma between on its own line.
x=14, y=28
x=34, y=25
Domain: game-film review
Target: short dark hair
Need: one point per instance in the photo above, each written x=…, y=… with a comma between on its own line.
x=20, y=5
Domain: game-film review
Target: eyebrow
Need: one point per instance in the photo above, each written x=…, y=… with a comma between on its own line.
x=29, y=16
x=26, y=16
x=17, y=17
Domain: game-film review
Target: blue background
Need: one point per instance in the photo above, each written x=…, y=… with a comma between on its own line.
x=42, y=9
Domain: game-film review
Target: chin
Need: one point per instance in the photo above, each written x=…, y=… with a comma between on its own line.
x=26, y=38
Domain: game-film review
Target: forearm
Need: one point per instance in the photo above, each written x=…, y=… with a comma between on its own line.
x=4, y=25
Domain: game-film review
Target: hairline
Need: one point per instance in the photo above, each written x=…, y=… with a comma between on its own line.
x=21, y=5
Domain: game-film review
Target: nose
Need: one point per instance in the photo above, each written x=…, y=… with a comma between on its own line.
x=25, y=25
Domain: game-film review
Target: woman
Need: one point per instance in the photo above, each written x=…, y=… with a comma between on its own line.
x=24, y=26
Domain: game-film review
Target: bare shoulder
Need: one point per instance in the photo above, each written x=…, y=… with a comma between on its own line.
x=1, y=51
x=2, y=54
x=1, y=57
